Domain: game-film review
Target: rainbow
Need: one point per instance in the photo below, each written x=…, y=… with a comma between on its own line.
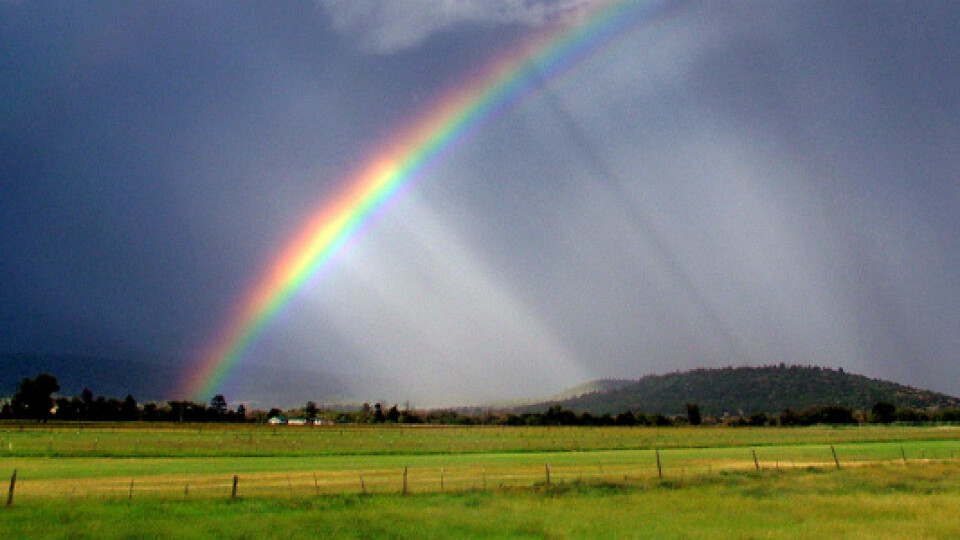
x=387, y=173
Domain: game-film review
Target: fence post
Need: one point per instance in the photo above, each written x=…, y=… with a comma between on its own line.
x=363, y=486
x=233, y=494
x=130, y=495
x=756, y=463
x=903, y=455
x=404, y=480
x=548, y=474
x=441, y=478
x=316, y=485
x=659, y=467
x=835, y=460
x=13, y=485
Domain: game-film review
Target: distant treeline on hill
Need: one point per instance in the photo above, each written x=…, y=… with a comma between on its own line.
x=739, y=391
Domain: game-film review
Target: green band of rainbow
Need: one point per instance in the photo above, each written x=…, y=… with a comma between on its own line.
x=469, y=106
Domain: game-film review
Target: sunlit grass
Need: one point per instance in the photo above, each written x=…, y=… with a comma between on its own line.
x=889, y=501
x=204, y=476
x=217, y=440
x=177, y=481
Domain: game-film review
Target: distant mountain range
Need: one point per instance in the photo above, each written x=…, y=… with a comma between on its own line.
x=770, y=389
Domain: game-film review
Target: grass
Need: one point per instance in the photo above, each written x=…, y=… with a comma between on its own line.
x=218, y=440
x=879, y=501
x=176, y=481
x=104, y=477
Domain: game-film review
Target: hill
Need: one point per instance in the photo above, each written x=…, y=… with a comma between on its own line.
x=769, y=389
x=598, y=386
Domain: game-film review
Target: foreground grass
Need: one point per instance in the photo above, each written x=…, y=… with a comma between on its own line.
x=175, y=481
x=887, y=501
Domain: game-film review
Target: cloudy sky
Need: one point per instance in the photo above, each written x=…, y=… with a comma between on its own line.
x=723, y=183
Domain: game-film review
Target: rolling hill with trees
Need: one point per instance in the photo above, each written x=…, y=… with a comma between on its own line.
x=747, y=390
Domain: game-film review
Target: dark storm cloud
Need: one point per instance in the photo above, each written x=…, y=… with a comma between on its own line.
x=731, y=184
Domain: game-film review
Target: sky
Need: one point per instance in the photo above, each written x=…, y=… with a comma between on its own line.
x=723, y=184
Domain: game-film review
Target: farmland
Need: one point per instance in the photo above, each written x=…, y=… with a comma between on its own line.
x=106, y=479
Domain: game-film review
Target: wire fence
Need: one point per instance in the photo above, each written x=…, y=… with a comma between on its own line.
x=436, y=474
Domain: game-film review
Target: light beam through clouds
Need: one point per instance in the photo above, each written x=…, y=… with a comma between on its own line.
x=434, y=312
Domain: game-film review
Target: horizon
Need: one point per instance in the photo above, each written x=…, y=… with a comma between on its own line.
x=254, y=405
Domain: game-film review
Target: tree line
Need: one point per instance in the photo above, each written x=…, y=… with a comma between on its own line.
x=35, y=400
x=557, y=415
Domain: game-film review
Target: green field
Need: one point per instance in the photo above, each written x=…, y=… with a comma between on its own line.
x=178, y=480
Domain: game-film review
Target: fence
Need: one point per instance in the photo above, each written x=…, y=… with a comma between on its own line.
x=444, y=473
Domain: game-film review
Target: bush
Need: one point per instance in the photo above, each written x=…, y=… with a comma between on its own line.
x=883, y=412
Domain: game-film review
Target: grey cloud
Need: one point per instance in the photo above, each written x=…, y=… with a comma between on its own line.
x=724, y=184
x=389, y=26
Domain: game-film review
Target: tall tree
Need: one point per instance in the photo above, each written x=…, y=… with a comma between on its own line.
x=393, y=414
x=693, y=414
x=87, y=402
x=34, y=397
x=129, y=409
x=311, y=409
x=219, y=404
x=884, y=412
x=364, y=413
